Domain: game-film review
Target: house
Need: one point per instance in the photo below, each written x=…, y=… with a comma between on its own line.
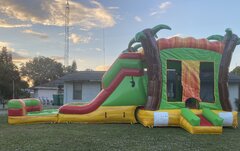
x=45, y=92
x=81, y=86
x=234, y=90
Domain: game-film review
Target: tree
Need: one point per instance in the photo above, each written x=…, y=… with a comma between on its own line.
x=11, y=84
x=42, y=70
x=72, y=68
x=236, y=70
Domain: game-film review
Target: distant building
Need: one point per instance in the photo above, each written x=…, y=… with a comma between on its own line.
x=234, y=89
x=45, y=92
x=82, y=86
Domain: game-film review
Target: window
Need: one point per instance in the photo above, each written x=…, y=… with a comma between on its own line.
x=174, y=86
x=77, y=91
x=207, y=82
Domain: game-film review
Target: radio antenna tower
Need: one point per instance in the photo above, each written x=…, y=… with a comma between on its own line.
x=66, y=47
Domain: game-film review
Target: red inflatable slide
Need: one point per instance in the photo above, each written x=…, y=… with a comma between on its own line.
x=105, y=93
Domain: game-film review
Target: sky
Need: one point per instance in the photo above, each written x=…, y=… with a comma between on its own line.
x=31, y=28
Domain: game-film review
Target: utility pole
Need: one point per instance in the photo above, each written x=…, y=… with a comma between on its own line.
x=66, y=48
x=13, y=87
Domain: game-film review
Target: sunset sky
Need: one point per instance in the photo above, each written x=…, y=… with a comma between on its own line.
x=32, y=28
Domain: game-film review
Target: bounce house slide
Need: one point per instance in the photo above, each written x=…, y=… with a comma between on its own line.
x=206, y=122
x=116, y=102
x=102, y=96
x=130, y=66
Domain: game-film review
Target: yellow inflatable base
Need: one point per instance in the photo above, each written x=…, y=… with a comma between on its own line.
x=146, y=118
x=32, y=119
x=235, y=118
x=126, y=114
x=118, y=114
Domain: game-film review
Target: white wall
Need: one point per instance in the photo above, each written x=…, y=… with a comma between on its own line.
x=44, y=93
x=89, y=91
x=68, y=92
x=233, y=94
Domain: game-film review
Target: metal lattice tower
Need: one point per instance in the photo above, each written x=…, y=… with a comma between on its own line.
x=66, y=47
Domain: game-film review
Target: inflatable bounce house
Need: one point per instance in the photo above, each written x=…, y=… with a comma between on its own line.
x=156, y=82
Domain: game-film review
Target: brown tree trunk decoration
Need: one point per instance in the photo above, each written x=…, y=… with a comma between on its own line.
x=154, y=72
x=230, y=42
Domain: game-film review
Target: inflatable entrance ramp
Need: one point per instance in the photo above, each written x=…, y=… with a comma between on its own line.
x=206, y=122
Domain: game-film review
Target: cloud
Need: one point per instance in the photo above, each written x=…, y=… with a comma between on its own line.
x=52, y=12
x=113, y=7
x=176, y=35
x=165, y=5
x=102, y=68
x=76, y=39
x=8, y=45
x=57, y=58
x=80, y=63
x=61, y=34
x=162, y=8
x=80, y=60
x=36, y=34
x=18, y=56
x=83, y=29
x=4, y=44
x=23, y=52
x=5, y=24
x=138, y=19
x=98, y=49
x=153, y=13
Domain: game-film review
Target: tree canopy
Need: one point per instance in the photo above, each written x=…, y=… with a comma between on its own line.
x=236, y=70
x=9, y=77
x=42, y=70
x=71, y=69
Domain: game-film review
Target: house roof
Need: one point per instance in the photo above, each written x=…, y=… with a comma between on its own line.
x=52, y=84
x=76, y=76
x=83, y=76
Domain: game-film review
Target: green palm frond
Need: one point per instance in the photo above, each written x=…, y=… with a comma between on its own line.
x=160, y=27
x=216, y=37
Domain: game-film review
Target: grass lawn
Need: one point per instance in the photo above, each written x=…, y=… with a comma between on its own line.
x=37, y=137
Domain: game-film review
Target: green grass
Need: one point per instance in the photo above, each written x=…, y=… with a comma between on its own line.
x=65, y=137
